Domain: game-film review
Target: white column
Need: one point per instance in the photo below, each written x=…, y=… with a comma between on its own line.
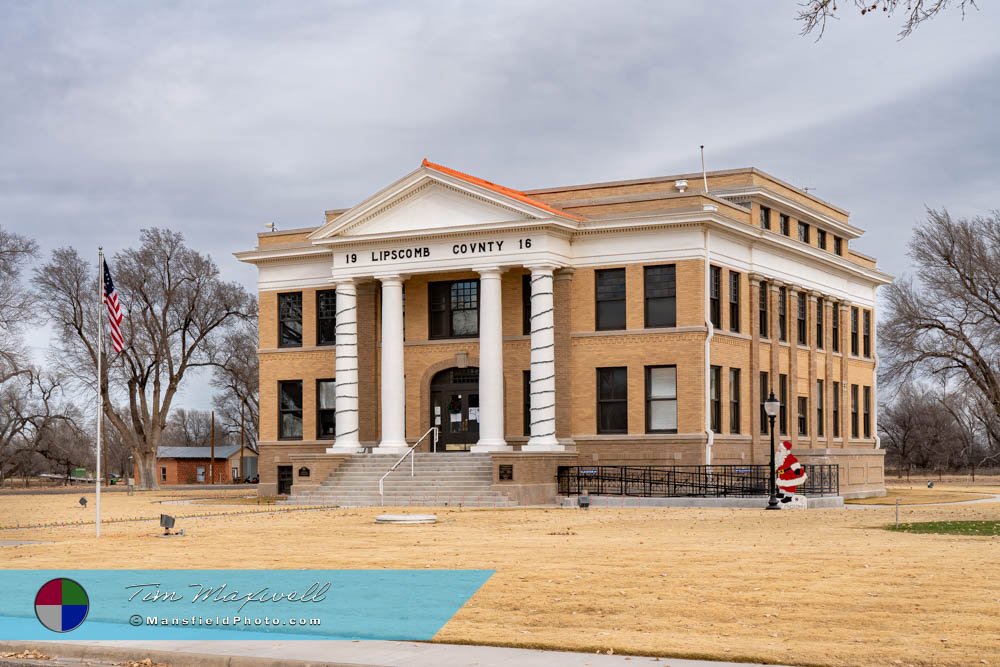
x=543, y=364
x=347, y=369
x=393, y=382
x=491, y=406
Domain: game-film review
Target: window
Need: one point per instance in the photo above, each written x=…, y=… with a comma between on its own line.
x=803, y=232
x=762, y=314
x=715, y=297
x=854, y=331
x=783, y=397
x=715, y=389
x=803, y=334
x=734, y=301
x=867, y=333
x=453, y=309
x=526, y=400
x=838, y=245
x=820, y=425
x=326, y=409
x=290, y=319
x=835, y=327
x=163, y=474
x=526, y=304
x=734, y=400
x=783, y=224
x=612, y=400
x=782, y=318
x=854, y=411
x=821, y=238
x=660, y=287
x=326, y=317
x=765, y=391
x=661, y=399
x=290, y=410
x=836, y=409
x=610, y=295
x=867, y=412
x=765, y=217
x=820, y=315
x=803, y=415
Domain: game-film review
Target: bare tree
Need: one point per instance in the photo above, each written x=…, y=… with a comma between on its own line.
x=237, y=379
x=815, y=13
x=193, y=428
x=918, y=431
x=947, y=323
x=176, y=310
x=15, y=302
x=15, y=422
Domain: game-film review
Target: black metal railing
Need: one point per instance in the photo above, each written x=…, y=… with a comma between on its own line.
x=716, y=481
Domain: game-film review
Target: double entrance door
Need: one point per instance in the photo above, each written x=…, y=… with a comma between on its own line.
x=455, y=408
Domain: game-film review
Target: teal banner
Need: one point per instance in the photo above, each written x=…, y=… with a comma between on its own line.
x=232, y=604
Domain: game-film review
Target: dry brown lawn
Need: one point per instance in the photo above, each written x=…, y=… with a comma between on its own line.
x=818, y=587
x=919, y=494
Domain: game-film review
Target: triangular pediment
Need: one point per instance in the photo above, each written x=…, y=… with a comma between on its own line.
x=432, y=206
x=429, y=200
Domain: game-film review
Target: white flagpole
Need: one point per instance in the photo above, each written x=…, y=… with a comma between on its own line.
x=100, y=389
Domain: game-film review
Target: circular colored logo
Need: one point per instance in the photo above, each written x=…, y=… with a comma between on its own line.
x=61, y=605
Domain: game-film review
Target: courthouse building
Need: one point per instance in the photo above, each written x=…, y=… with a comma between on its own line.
x=636, y=322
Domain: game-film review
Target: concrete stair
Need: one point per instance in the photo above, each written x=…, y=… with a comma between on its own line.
x=454, y=479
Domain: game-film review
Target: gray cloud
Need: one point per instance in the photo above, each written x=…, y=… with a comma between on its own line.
x=214, y=118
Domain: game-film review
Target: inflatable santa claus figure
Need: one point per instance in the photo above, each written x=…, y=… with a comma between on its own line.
x=790, y=474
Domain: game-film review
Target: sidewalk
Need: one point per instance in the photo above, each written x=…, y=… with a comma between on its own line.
x=342, y=654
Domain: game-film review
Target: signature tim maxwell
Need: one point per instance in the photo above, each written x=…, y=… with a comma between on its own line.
x=150, y=592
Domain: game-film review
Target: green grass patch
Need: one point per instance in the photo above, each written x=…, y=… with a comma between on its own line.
x=988, y=528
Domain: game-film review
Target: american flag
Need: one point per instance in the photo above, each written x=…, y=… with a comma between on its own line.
x=114, y=311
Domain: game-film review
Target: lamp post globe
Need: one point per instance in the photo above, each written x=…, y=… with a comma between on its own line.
x=771, y=408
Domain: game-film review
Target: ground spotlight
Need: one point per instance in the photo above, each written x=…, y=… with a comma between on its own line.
x=83, y=503
x=166, y=523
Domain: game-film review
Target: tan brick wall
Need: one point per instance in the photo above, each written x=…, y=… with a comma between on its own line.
x=580, y=350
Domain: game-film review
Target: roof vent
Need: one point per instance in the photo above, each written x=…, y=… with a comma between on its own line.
x=681, y=185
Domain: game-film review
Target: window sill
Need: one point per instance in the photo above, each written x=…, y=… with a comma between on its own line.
x=305, y=348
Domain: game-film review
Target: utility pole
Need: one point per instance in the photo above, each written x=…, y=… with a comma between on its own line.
x=211, y=458
x=242, y=442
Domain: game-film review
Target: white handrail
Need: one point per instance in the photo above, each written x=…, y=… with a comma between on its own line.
x=409, y=452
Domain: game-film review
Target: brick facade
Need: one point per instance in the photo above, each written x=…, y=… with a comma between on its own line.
x=580, y=350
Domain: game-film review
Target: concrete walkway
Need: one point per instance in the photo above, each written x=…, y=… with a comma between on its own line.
x=342, y=654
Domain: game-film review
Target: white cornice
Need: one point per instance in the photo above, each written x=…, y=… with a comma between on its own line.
x=290, y=253
x=624, y=225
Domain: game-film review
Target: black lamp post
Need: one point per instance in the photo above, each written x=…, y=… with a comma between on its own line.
x=771, y=408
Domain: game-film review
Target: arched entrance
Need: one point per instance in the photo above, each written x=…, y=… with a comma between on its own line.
x=455, y=408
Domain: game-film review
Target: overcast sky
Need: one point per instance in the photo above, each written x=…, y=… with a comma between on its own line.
x=213, y=118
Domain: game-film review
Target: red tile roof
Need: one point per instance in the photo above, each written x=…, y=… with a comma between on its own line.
x=500, y=189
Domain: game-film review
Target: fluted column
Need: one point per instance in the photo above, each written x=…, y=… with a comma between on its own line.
x=393, y=383
x=491, y=437
x=346, y=401
x=543, y=364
